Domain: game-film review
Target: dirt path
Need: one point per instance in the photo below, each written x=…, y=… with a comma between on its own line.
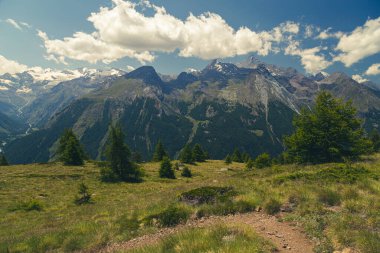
x=283, y=235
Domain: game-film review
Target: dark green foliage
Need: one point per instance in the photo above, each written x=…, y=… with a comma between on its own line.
x=327, y=133
x=119, y=158
x=329, y=197
x=228, y=159
x=186, y=155
x=186, y=172
x=70, y=151
x=272, y=206
x=3, y=160
x=159, y=152
x=207, y=194
x=246, y=157
x=31, y=205
x=84, y=197
x=136, y=157
x=166, y=169
x=250, y=164
x=263, y=161
x=375, y=139
x=169, y=217
x=236, y=156
x=225, y=208
x=198, y=153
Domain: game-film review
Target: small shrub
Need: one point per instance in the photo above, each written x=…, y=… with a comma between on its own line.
x=208, y=194
x=272, y=206
x=31, y=205
x=225, y=208
x=263, y=161
x=186, y=172
x=328, y=197
x=84, y=196
x=250, y=164
x=228, y=159
x=170, y=217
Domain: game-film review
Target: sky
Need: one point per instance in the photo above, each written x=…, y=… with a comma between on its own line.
x=176, y=35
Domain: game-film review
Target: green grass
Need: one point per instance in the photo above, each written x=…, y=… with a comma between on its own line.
x=338, y=208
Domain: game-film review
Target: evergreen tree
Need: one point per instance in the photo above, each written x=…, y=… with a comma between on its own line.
x=186, y=155
x=250, y=164
x=166, y=169
x=159, y=152
x=84, y=196
x=186, y=172
x=119, y=157
x=375, y=139
x=70, y=150
x=3, y=160
x=263, y=161
x=246, y=157
x=198, y=153
x=329, y=132
x=228, y=159
x=236, y=156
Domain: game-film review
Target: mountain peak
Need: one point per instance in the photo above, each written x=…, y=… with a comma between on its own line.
x=146, y=73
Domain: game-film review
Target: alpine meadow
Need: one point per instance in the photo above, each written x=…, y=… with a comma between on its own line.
x=189, y=127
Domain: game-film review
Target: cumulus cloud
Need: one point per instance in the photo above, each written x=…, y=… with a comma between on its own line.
x=359, y=78
x=326, y=34
x=373, y=70
x=359, y=44
x=10, y=66
x=17, y=25
x=310, y=59
x=123, y=31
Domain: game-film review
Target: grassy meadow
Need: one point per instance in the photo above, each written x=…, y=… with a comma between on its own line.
x=338, y=206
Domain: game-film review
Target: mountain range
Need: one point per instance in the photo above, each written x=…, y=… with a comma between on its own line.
x=249, y=105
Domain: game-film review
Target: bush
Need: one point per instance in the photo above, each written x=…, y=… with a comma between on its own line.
x=228, y=159
x=272, y=206
x=250, y=164
x=166, y=169
x=328, y=197
x=186, y=172
x=84, y=196
x=170, y=217
x=263, y=161
x=208, y=194
x=31, y=205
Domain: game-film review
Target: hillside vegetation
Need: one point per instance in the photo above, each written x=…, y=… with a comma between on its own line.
x=337, y=204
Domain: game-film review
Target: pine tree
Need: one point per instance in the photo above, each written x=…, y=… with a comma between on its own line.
x=70, y=150
x=228, y=159
x=236, y=156
x=119, y=157
x=246, y=157
x=159, y=152
x=3, y=160
x=186, y=172
x=198, y=153
x=375, y=139
x=186, y=155
x=328, y=132
x=166, y=169
x=250, y=164
x=84, y=196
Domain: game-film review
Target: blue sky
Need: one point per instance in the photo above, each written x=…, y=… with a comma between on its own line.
x=312, y=36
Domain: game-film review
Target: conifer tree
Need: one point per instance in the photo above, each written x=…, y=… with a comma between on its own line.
x=186, y=155
x=3, y=160
x=159, y=152
x=228, y=159
x=198, y=153
x=119, y=157
x=70, y=150
x=375, y=139
x=166, y=169
x=236, y=156
x=246, y=157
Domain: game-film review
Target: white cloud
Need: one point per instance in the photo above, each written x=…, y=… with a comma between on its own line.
x=359, y=78
x=123, y=31
x=10, y=66
x=373, y=70
x=17, y=25
x=326, y=34
x=361, y=43
x=310, y=60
